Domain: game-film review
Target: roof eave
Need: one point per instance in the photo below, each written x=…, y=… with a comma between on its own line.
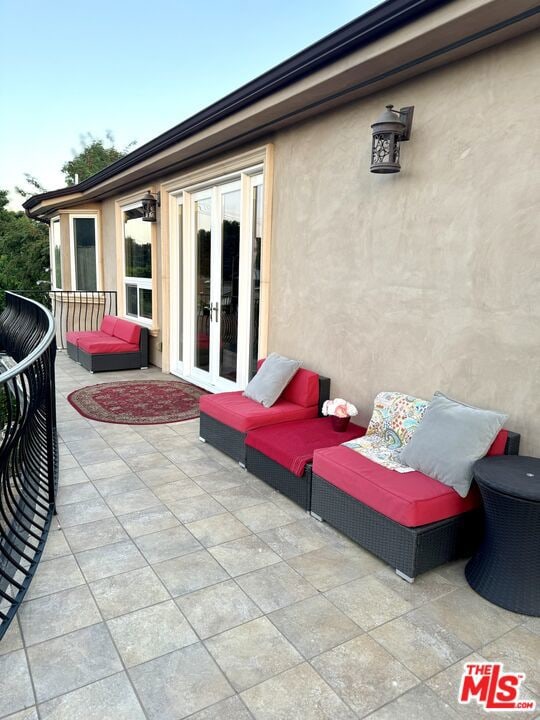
x=381, y=20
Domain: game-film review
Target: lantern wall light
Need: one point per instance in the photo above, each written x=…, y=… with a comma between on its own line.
x=149, y=205
x=392, y=128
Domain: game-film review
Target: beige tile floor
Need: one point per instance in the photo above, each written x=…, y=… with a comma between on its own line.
x=175, y=585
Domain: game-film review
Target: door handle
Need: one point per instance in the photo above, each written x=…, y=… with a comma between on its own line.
x=213, y=308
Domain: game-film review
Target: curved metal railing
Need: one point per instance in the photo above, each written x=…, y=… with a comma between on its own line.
x=28, y=445
x=75, y=309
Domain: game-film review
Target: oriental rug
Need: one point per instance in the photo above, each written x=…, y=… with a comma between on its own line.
x=138, y=403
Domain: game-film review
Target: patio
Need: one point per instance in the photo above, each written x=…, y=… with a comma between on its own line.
x=175, y=585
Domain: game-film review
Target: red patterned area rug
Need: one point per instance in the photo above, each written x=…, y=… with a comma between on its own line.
x=138, y=403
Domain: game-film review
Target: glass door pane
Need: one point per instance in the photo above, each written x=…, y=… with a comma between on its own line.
x=145, y=303
x=203, y=249
x=181, y=282
x=57, y=252
x=84, y=245
x=131, y=300
x=138, y=245
x=230, y=270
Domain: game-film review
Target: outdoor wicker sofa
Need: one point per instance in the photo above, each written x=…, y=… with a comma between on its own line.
x=226, y=418
x=117, y=345
x=411, y=521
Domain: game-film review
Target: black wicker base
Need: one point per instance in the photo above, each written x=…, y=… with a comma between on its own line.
x=223, y=437
x=412, y=551
x=110, y=362
x=72, y=351
x=284, y=481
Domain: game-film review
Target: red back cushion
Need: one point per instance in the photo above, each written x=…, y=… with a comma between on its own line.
x=499, y=444
x=127, y=331
x=303, y=389
x=108, y=324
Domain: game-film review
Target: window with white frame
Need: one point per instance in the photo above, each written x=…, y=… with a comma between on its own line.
x=56, y=255
x=137, y=264
x=84, y=257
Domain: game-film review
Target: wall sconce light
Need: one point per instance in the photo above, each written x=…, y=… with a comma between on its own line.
x=392, y=128
x=149, y=205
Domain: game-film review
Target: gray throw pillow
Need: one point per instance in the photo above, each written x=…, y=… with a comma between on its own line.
x=271, y=380
x=451, y=437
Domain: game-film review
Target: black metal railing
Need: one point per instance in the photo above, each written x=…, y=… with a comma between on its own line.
x=28, y=445
x=75, y=309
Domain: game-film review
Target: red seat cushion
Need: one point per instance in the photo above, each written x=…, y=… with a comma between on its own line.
x=291, y=444
x=243, y=414
x=106, y=345
x=411, y=499
x=128, y=331
x=72, y=336
x=108, y=324
x=75, y=336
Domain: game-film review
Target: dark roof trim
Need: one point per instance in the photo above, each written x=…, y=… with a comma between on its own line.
x=381, y=20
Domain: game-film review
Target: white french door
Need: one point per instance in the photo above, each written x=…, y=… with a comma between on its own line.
x=219, y=236
x=216, y=240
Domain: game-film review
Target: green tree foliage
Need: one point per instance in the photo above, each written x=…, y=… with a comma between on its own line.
x=93, y=156
x=24, y=243
x=24, y=250
x=34, y=186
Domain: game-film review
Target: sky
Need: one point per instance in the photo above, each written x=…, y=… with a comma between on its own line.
x=133, y=68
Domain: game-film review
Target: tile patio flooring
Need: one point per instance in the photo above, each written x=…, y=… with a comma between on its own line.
x=176, y=585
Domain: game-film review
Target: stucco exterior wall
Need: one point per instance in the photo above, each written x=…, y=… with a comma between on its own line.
x=110, y=250
x=108, y=245
x=429, y=279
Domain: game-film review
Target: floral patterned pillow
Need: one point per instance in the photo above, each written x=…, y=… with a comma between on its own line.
x=395, y=418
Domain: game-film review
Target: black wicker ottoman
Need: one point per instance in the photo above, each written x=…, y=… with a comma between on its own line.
x=506, y=568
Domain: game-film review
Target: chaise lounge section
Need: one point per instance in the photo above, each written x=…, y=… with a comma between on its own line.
x=117, y=345
x=281, y=455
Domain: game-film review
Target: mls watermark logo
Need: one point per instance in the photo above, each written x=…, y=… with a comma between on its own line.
x=488, y=685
